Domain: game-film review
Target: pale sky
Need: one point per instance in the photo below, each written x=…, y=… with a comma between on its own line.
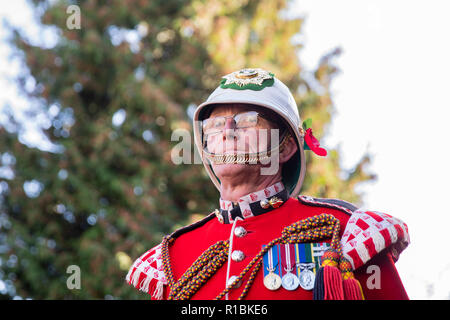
x=390, y=99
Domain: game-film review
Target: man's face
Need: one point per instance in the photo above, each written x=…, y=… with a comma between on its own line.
x=236, y=129
x=230, y=138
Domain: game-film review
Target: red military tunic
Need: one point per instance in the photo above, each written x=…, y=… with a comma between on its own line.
x=259, y=231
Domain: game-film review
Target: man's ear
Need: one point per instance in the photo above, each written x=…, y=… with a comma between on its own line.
x=289, y=150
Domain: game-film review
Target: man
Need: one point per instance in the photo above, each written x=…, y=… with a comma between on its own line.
x=264, y=241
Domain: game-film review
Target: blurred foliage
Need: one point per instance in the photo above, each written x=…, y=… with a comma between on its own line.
x=110, y=192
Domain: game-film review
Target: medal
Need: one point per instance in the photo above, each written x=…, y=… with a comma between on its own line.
x=289, y=281
x=306, y=276
x=307, y=257
x=272, y=281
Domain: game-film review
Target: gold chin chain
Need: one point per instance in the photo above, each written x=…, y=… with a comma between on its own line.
x=245, y=158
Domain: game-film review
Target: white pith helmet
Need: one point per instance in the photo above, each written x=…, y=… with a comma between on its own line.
x=258, y=87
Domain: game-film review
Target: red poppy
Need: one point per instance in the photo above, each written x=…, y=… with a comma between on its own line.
x=314, y=144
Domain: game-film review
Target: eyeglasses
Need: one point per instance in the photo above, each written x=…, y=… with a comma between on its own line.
x=242, y=120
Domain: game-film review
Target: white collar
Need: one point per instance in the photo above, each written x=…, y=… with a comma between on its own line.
x=244, y=202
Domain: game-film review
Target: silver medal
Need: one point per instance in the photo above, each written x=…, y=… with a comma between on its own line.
x=290, y=281
x=306, y=276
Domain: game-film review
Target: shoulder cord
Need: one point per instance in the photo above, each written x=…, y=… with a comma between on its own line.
x=311, y=229
x=198, y=273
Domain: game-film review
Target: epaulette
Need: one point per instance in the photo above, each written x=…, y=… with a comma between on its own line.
x=338, y=204
x=147, y=273
x=367, y=233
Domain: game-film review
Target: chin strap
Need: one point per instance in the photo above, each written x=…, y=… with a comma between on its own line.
x=246, y=158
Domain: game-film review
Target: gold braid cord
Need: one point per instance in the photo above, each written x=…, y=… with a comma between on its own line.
x=311, y=229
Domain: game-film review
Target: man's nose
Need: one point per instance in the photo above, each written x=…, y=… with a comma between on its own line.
x=228, y=129
x=230, y=124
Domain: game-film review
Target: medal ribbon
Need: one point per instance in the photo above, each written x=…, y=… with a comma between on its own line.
x=297, y=258
x=288, y=256
x=317, y=252
x=270, y=253
x=270, y=261
x=305, y=253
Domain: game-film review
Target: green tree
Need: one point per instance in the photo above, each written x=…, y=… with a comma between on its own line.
x=115, y=90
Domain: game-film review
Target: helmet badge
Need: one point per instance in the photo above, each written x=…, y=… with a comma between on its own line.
x=249, y=78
